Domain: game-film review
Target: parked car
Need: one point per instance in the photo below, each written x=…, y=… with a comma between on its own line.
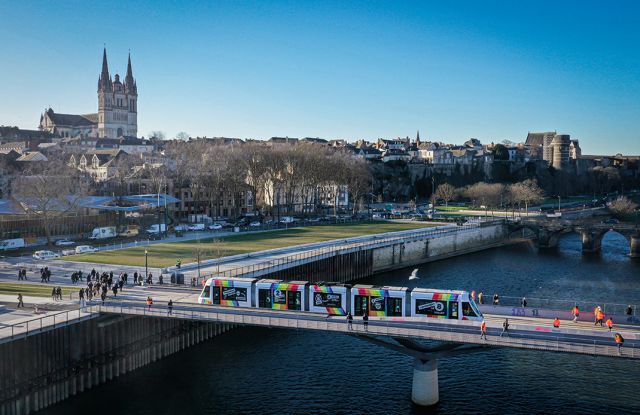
x=64, y=242
x=85, y=249
x=196, y=227
x=130, y=231
x=255, y=224
x=215, y=227
x=45, y=255
x=181, y=228
x=287, y=219
x=156, y=228
x=67, y=252
x=611, y=221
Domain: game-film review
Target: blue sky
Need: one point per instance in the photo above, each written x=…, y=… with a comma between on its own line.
x=335, y=69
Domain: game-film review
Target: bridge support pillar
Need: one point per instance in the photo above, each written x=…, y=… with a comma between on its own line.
x=634, y=246
x=424, y=391
x=591, y=242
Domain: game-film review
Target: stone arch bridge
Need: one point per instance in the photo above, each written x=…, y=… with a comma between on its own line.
x=547, y=232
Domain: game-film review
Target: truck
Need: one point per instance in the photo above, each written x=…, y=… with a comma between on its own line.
x=9, y=244
x=157, y=228
x=103, y=232
x=130, y=231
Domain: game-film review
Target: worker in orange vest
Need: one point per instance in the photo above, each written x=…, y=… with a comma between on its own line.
x=619, y=340
x=610, y=323
x=149, y=302
x=599, y=317
x=473, y=295
x=556, y=323
x=483, y=330
x=576, y=313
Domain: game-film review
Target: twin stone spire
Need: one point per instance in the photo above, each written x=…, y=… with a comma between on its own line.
x=106, y=84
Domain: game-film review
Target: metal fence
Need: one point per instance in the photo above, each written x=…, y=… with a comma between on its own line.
x=585, y=306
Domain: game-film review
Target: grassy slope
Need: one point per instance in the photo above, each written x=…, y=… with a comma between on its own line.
x=40, y=290
x=164, y=255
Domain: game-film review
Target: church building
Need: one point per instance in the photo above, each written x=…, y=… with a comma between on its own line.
x=117, y=114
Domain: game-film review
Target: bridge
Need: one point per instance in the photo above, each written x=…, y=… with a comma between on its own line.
x=401, y=334
x=547, y=232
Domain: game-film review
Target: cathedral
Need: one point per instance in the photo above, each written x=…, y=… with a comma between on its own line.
x=117, y=114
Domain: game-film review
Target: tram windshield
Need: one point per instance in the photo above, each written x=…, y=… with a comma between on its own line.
x=470, y=309
x=206, y=291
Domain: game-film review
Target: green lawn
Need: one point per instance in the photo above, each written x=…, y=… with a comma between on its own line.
x=40, y=290
x=165, y=254
x=452, y=208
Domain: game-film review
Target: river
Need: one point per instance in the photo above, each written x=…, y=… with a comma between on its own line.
x=273, y=371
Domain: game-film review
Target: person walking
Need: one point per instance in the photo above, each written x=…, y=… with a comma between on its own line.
x=523, y=303
x=619, y=340
x=556, y=323
x=505, y=327
x=81, y=298
x=473, y=295
x=628, y=312
x=610, y=323
x=599, y=317
x=496, y=299
x=575, y=311
x=170, y=308
x=483, y=330
x=20, y=303
x=481, y=297
x=365, y=320
x=179, y=263
x=19, y=275
x=54, y=294
x=59, y=292
x=349, y=321
x=24, y=274
x=149, y=303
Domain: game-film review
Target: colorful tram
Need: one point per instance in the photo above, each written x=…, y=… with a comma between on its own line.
x=338, y=299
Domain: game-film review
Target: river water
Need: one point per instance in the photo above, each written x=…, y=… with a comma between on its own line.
x=273, y=371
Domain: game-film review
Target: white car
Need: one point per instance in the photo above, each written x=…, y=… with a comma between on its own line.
x=255, y=224
x=85, y=249
x=45, y=255
x=196, y=227
x=64, y=242
x=215, y=227
x=181, y=228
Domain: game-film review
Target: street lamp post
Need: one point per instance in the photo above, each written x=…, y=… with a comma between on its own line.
x=146, y=265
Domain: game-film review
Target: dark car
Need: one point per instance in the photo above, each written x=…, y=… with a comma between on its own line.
x=611, y=221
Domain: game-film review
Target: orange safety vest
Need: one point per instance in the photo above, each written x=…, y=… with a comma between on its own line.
x=599, y=315
x=149, y=301
x=576, y=311
x=556, y=323
x=483, y=326
x=619, y=338
x=609, y=323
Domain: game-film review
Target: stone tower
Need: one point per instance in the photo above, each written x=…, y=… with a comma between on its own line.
x=117, y=103
x=560, y=144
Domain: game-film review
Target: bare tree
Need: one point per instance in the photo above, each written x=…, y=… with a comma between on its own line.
x=446, y=192
x=182, y=136
x=158, y=135
x=622, y=207
x=526, y=192
x=49, y=192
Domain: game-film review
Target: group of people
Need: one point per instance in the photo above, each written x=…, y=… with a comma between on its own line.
x=495, y=299
x=45, y=274
x=56, y=293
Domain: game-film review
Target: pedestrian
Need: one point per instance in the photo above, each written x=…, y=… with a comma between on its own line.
x=349, y=321
x=473, y=295
x=610, y=323
x=365, y=320
x=149, y=303
x=81, y=297
x=179, y=263
x=576, y=313
x=595, y=314
x=59, y=293
x=481, y=297
x=556, y=323
x=115, y=290
x=135, y=278
x=619, y=340
x=483, y=330
x=103, y=296
x=524, y=302
x=170, y=308
x=54, y=294
x=160, y=279
x=505, y=327
x=24, y=274
x=629, y=311
x=599, y=317
x=496, y=299
x=20, y=303
x=19, y=275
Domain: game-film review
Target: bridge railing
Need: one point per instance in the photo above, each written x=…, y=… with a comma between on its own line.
x=44, y=322
x=319, y=253
x=585, y=306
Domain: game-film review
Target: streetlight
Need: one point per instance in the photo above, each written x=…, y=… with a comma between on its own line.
x=146, y=265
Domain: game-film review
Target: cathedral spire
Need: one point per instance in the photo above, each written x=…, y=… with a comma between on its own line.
x=418, y=138
x=128, y=80
x=104, y=83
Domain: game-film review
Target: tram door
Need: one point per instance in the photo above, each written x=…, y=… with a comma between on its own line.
x=361, y=305
x=394, y=306
x=294, y=300
x=216, y=295
x=264, y=298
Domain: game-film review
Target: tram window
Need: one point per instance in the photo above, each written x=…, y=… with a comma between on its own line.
x=377, y=304
x=294, y=300
x=264, y=298
x=216, y=295
x=453, y=310
x=467, y=310
x=361, y=304
x=435, y=308
x=206, y=292
x=394, y=306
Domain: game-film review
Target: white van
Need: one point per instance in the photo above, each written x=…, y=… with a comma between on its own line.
x=197, y=227
x=104, y=232
x=9, y=244
x=157, y=228
x=287, y=219
x=85, y=249
x=45, y=255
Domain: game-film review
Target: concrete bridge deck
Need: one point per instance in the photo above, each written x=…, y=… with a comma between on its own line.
x=524, y=332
